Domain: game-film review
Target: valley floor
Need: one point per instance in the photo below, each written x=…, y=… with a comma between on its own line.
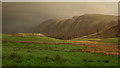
x=22, y=51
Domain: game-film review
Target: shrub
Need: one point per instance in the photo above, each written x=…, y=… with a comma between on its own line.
x=28, y=50
x=85, y=60
x=46, y=58
x=105, y=61
x=58, y=59
x=14, y=55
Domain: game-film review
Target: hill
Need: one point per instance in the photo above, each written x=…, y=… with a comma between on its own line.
x=109, y=33
x=34, y=37
x=77, y=26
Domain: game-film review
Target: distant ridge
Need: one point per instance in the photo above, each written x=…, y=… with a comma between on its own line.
x=77, y=26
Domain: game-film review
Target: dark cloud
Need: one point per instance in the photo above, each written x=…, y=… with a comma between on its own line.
x=20, y=16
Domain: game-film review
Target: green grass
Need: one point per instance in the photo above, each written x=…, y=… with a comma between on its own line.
x=85, y=39
x=28, y=54
x=107, y=40
x=110, y=40
x=30, y=38
x=25, y=54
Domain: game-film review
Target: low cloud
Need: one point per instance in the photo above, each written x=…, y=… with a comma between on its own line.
x=19, y=17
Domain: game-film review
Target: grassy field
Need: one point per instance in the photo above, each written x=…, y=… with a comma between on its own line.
x=30, y=38
x=108, y=40
x=85, y=39
x=30, y=54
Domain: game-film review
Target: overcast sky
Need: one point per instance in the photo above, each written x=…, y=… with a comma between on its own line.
x=18, y=17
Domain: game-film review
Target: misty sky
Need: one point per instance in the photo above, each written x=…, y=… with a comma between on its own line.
x=18, y=17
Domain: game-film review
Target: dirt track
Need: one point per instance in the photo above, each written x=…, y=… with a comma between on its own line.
x=92, y=47
x=107, y=49
x=91, y=42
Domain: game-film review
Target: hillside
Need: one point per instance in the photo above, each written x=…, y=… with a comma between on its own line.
x=34, y=37
x=77, y=26
x=109, y=33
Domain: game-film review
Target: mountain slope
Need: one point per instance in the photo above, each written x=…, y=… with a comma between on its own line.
x=109, y=33
x=77, y=26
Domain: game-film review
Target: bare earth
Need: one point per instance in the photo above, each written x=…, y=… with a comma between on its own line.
x=91, y=47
